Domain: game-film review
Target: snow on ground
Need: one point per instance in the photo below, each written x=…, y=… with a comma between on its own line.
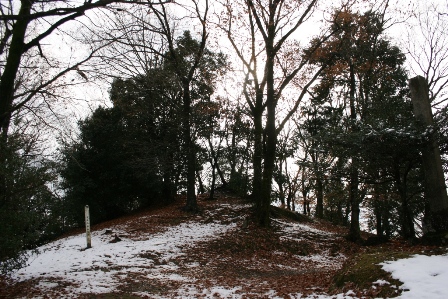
x=422, y=276
x=293, y=228
x=105, y=266
x=101, y=268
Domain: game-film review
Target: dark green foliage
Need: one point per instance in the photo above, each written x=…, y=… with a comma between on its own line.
x=29, y=210
x=441, y=120
x=361, y=116
x=127, y=156
x=210, y=66
x=237, y=153
x=337, y=206
x=141, y=151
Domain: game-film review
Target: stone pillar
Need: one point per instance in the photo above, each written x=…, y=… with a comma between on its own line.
x=435, y=188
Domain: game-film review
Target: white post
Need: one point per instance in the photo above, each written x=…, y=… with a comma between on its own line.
x=88, y=235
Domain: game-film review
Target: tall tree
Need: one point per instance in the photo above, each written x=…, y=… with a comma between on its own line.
x=365, y=70
x=127, y=156
x=317, y=118
x=28, y=71
x=24, y=31
x=142, y=39
x=272, y=64
x=31, y=212
x=185, y=61
x=427, y=55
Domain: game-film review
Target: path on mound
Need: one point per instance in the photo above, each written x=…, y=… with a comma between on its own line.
x=167, y=254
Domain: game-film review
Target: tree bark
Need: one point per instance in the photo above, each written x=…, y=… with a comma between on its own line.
x=355, y=232
x=319, y=186
x=407, y=224
x=279, y=180
x=12, y=66
x=215, y=163
x=271, y=134
x=257, y=158
x=212, y=188
x=319, y=198
x=7, y=81
x=435, y=188
x=378, y=211
x=191, y=204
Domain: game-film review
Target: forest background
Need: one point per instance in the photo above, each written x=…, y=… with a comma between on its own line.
x=296, y=103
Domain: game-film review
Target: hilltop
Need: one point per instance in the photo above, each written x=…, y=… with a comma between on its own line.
x=217, y=253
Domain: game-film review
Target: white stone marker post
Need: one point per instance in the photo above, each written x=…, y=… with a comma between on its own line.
x=88, y=234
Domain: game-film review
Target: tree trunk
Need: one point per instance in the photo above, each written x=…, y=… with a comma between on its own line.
x=379, y=223
x=215, y=163
x=12, y=64
x=340, y=214
x=378, y=210
x=268, y=170
x=191, y=204
x=233, y=154
x=435, y=188
x=257, y=158
x=288, y=201
x=408, y=230
x=271, y=136
x=319, y=198
x=221, y=175
x=304, y=194
x=7, y=83
x=355, y=232
x=407, y=224
x=168, y=190
x=304, y=206
x=386, y=223
x=201, y=189
x=279, y=181
x=212, y=189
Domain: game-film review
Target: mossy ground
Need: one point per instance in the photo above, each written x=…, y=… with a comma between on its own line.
x=361, y=271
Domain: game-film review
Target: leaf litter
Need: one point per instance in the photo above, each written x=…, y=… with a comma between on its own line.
x=166, y=253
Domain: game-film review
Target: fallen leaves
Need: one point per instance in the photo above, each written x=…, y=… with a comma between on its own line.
x=247, y=261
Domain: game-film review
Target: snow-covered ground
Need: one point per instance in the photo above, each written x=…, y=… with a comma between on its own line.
x=422, y=276
x=106, y=266
x=101, y=268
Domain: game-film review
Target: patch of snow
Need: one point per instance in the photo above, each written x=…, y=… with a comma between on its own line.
x=48, y=284
x=190, y=292
x=422, y=276
x=294, y=227
x=323, y=260
x=381, y=282
x=222, y=291
x=101, y=268
x=273, y=295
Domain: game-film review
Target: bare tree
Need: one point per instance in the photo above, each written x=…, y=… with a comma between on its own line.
x=262, y=34
x=426, y=47
x=30, y=77
x=24, y=32
x=146, y=36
